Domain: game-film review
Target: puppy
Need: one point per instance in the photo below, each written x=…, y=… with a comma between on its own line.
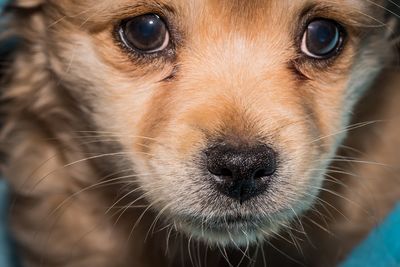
x=201, y=132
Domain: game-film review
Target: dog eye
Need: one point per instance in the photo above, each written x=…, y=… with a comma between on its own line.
x=322, y=39
x=146, y=33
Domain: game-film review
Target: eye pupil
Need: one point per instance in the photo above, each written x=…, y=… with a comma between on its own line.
x=322, y=38
x=146, y=33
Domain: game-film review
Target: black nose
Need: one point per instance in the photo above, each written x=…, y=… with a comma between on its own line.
x=241, y=172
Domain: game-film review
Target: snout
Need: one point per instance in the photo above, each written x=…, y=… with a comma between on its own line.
x=241, y=172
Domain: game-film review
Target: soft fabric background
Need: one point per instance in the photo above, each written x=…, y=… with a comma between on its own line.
x=381, y=248
x=5, y=252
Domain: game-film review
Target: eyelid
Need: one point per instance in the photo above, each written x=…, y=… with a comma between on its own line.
x=351, y=24
x=124, y=12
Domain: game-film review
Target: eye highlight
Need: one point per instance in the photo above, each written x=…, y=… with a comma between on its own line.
x=145, y=33
x=322, y=39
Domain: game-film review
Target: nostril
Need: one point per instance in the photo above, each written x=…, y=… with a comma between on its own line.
x=222, y=172
x=263, y=172
x=240, y=171
x=225, y=172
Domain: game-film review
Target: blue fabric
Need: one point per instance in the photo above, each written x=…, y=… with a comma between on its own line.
x=6, y=45
x=5, y=246
x=381, y=248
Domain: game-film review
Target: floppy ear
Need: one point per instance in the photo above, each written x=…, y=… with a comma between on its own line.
x=27, y=3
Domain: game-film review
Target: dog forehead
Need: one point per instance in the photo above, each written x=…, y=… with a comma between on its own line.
x=229, y=8
x=252, y=18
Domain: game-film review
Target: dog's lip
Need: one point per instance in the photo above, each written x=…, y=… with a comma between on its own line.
x=235, y=220
x=223, y=222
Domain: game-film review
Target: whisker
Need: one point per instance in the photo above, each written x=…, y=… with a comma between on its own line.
x=91, y=187
x=140, y=219
x=319, y=226
x=155, y=220
x=338, y=195
x=347, y=129
x=285, y=254
x=83, y=160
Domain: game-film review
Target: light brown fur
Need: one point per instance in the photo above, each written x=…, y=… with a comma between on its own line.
x=104, y=146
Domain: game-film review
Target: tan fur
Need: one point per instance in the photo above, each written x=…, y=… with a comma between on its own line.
x=104, y=147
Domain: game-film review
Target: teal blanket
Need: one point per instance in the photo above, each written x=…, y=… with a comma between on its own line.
x=382, y=247
x=5, y=244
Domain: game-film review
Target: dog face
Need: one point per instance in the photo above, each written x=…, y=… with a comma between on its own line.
x=229, y=110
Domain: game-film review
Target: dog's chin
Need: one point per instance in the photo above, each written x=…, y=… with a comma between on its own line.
x=228, y=232
x=239, y=230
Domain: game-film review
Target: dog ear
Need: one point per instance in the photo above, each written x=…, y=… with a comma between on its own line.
x=27, y=3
